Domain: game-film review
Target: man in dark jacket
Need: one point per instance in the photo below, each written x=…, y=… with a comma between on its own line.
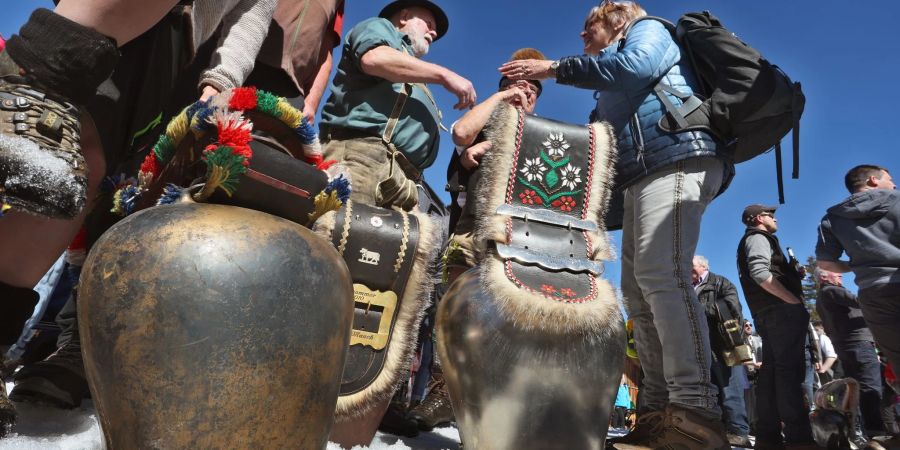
x=774, y=294
x=853, y=342
x=866, y=226
x=719, y=297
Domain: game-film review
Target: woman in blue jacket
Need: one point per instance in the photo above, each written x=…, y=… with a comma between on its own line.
x=665, y=181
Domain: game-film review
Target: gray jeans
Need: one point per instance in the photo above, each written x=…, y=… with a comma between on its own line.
x=659, y=235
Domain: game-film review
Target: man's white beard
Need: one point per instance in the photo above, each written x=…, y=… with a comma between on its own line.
x=420, y=45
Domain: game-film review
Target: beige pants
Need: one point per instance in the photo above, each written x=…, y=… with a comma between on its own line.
x=374, y=178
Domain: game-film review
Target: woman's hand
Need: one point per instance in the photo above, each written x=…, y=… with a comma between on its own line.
x=207, y=92
x=527, y=69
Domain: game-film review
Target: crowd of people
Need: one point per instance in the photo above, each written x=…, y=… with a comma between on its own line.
x=82, y=94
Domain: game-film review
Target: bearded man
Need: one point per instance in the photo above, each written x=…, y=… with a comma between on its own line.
x=381, y=120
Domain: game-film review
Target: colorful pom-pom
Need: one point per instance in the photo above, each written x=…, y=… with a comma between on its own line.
x=243, y=98
x=150, y=164
x=171, y=194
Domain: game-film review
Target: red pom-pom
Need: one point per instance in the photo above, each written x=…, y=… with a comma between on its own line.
x=150, y=164
x=242, y=98
x=324, y=165
x=234, y=135
x=245, y=151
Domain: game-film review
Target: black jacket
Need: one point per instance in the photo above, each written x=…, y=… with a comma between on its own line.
x=759, y=299
x=841, y=316
x=718, y=288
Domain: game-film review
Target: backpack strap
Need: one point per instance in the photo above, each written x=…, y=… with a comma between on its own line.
x=689, y=102
x=778, y=175
x=797, y=109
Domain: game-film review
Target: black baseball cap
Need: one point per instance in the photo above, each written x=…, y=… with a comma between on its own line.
x=441, y=22
x=754, y=210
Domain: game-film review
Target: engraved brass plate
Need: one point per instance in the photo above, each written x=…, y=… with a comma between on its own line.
x=365, y=298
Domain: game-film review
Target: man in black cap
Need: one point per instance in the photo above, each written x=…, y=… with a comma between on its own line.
x=381, y=120
x=773, y=291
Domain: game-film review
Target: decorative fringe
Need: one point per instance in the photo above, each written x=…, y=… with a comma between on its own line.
x=171, y=194
x=288, y=114
x=231, y=154
x=124, y=200
x=267, y=103
x=243, y=98
x=335, y=194
x=223, y=165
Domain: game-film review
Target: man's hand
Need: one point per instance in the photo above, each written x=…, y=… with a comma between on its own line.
x=527, y=69
x=472, y=156
x=461, y=88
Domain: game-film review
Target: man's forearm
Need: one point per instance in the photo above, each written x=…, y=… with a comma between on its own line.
x=827, y=364
x=398, y=67
x=317, y=88
x=834, y=266
x=774, y=287
x=466, y=129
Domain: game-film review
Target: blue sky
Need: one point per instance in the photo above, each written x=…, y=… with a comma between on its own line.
x=846, y=58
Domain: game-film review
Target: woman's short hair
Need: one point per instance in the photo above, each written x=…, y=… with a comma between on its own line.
x=613, y=13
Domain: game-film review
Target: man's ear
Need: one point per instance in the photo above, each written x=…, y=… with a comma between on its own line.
x=404, y=16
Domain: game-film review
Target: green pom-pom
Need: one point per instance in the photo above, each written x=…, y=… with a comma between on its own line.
x=265, y=102
x=164, y=149
x=223, y=167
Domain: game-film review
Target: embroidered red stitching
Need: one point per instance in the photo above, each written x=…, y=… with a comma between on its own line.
x=590, y=297
x=590, y=181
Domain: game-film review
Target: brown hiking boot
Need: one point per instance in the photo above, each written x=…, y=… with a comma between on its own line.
x=682, y=429
x=42, y=169
x=435, y=410
x=643, y=427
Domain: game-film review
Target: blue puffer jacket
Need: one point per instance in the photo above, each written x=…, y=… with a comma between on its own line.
x=624, y=79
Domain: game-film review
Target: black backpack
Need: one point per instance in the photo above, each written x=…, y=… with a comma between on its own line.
x=745, y=101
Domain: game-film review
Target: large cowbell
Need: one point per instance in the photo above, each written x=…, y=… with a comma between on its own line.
x=531, y=340
x=211, y=326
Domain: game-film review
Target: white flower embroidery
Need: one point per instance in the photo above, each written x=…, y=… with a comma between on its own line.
x=556, y=145
x=570, y=176
x=533, y=169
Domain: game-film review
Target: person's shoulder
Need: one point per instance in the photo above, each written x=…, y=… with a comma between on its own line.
x=374, y=25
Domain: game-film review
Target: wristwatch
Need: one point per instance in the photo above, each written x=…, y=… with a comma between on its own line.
x=553, y=66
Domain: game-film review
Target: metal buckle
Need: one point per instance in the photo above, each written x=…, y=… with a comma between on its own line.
x=366, y=298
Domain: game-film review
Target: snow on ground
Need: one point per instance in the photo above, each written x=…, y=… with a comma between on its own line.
x=44, y=428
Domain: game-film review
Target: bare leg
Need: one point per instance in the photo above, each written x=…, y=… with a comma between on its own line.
x=29, y=244
x=122, y=20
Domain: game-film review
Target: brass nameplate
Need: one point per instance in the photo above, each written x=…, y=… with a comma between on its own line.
x=365, y=298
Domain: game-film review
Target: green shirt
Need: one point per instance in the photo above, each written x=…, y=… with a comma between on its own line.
x=364, y=102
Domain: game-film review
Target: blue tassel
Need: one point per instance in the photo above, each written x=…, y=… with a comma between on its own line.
x=307, y=133
x=127, y=199
x=171, y=194
x=341, y=185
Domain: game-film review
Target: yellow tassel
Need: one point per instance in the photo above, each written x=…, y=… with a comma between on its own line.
x=178, y=127
x=5, y=208
x=324, y=203
x=217, y=175
x=288, y=114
